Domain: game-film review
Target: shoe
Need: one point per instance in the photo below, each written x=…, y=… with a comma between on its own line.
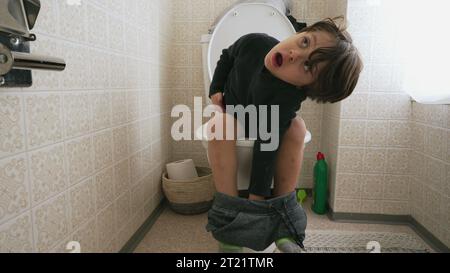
x=287, y=245
x=226, y=248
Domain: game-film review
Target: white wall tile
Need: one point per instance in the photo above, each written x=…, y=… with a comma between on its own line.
x=72, y=20
x=435, y=173
x=133, y=105
x=353, y=133
x=446, y=184
x=134, y=137
x=120, y=143
x=432, y=203
x=87, y=237
x=380, y=106
x=399, y=134
x=377, y=133
x=372, y=207
x=435, y=142
x=77, y=114
x=123, y=210
x=79, y=159
x=101, y=110
x=316, y=9
x=16, y=236
x=104, y=186
x=97, y=26
x=356, y=106
x=349, y=186
x=396, y=208
x=51, y=222
x=137, y=198
x=396, y=187
x=372, y=187
x=136, y=168
x=418, y=137
x=119, y=108
x=47, y=16
x=12, y=135
x=48, y=174
x=44, y=119
x=106, y=229
x=122, y=178
x=82, y=203
x=397, y=161
x=103, y=149
x=99, y=73
x=78, y=71
x=14, y=188
x=347, y=205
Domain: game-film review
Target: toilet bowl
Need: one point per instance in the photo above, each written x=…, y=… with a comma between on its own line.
x=264, y=16
x=244, y=154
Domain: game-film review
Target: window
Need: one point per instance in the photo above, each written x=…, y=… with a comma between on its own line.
x=425, y=49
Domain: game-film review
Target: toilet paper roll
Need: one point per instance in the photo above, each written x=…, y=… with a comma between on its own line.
x=182, y=170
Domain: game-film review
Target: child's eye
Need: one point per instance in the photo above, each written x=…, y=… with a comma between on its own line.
x=305, y=42
x=307, y=66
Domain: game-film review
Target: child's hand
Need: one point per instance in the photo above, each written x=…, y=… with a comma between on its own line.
x=217, y=99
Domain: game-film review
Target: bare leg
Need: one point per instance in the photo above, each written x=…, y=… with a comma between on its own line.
x=290, y=158
x=223, y=161
x=288, y=166
x=222, y=155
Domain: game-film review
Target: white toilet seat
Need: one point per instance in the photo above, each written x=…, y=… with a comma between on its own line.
x=202, y=132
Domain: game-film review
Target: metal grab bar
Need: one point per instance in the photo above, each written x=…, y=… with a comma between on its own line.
x=17, y=18
x=30, y=61
x=25, y=61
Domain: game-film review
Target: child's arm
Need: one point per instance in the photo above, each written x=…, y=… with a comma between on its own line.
x=225, y=64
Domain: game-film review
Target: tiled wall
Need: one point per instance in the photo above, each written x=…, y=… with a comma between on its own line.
x=393, y=154
x=81, y=152
x=192, y=19
x=372, y=172
x=430, y=168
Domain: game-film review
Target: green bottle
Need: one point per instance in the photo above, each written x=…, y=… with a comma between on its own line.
x=320, y=191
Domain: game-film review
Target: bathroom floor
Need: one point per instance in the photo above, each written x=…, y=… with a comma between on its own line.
x=174, y=233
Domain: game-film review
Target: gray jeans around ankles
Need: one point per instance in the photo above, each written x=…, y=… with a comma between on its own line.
x=256, y=224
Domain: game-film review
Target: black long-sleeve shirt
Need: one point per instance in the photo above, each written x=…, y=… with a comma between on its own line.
x=243, y=78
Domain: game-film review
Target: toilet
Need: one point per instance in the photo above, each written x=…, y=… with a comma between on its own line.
x=243, y=18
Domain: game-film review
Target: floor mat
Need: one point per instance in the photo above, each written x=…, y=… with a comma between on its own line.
x=361, y=242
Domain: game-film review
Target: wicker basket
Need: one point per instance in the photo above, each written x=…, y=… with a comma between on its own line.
x=193, y=196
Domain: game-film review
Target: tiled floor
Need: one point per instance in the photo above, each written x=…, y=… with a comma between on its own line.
x=174, y=233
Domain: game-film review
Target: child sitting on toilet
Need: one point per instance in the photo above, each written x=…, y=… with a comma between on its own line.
x=321, y=63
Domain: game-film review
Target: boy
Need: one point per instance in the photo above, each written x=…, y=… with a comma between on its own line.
x=321, y=63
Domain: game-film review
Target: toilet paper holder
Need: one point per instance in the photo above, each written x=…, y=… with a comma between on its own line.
x=17, y=18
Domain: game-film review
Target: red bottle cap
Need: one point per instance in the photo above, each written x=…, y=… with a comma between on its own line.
x=320, y=156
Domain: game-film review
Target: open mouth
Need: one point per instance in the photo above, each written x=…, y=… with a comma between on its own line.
x=278, y=59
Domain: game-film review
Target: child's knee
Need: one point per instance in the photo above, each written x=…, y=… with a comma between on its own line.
x=297, y=131
x=222, y=126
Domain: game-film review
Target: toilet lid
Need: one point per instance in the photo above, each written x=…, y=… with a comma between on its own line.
x=244, y=19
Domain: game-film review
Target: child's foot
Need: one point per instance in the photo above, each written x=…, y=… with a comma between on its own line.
x=287, y=245
x=225, y=248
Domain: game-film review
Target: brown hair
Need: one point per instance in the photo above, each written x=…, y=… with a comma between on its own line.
x=343, y=64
